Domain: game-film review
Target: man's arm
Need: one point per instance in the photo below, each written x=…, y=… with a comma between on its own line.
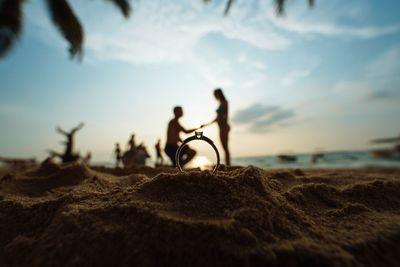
x=185, y=130
x=208, y=124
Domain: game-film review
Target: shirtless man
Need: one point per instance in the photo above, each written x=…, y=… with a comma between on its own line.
x=173, y=140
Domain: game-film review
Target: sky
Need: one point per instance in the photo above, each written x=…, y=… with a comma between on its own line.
x=319, y=79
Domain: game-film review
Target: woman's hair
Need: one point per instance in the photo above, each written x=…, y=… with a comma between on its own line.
x=218, y=92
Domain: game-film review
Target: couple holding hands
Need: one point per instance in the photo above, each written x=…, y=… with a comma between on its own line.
x=175, y=128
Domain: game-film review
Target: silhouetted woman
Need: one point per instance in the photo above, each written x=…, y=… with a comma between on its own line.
x=222, y=120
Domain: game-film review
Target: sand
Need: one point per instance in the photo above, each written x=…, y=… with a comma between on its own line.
x=73, y=215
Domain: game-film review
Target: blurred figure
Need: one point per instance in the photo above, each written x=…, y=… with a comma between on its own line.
x=136, y=155
x=173, y=139
x=68, y=155
x=222, y=121
x=141, y=154
x=87, y=158
x=131, y=143
x=118, y=156
x=159, y=157
x=315, y=157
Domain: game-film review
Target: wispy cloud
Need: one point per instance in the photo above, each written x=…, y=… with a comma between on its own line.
x=253, y=113
x=327, y=20
x=278, y=117
x=262, y=118
x=294, y=76
x=334, y=29
x=386, y=65
x=162, y=31
x=165, y=32
x=381, y=95
x=168, y=31
x=380, y=80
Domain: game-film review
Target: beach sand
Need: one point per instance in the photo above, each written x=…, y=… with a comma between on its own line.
x=73, y=215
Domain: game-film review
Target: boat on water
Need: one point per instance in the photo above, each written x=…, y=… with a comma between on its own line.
x=287, y=158
x=387, y=153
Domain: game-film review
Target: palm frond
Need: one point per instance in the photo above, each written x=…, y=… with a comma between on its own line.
x=228, y=6
x=280, y=7
x=10, y=24
x=123, y=5
x=68, y=24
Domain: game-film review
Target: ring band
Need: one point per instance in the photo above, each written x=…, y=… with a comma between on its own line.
x=196, y=136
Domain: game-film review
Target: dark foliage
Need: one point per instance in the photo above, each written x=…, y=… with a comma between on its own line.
x=10, y=23
x=68, y=24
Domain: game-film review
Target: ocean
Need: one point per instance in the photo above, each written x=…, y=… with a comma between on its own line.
x=344, y=159
x=348, y=159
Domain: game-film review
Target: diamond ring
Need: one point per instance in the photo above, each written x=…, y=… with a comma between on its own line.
x=196, y=136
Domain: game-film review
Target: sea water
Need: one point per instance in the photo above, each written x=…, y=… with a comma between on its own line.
x=347, y=159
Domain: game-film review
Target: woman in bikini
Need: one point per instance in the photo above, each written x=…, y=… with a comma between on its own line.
x=222, y=121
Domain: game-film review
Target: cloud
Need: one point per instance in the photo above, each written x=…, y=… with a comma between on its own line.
x=262, y=118
x=335, y=30
x=385, y=66
x=380, y=95
x=380, y=80
x=276, y=118
x=252, y=113
x=168, y=32
x=215, y=72
x=160, y=31
x=327, y=19
x=294, y=76
x=259, y=65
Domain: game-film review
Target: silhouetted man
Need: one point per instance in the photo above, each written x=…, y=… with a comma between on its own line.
x=173, y=139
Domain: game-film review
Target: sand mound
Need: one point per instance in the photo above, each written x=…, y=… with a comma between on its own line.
x=47, y=177
x=380, y=195
x=241, y=217
x=377, y=195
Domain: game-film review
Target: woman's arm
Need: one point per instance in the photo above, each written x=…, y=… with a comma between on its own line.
x=208, y=124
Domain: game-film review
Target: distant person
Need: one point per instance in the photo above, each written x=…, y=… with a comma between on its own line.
x=173, y=140
x=222, y=121
x=131, y=143
x=87, y=158
x=118, y=155
x=159, y=157
x=68, y=155
x=141, y=154
x=136, y=155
